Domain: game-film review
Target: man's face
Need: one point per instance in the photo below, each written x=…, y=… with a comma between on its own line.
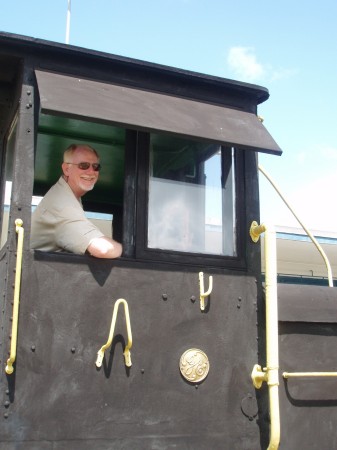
x=81, y=181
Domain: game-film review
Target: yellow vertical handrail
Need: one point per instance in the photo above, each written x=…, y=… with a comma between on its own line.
x=313, y=239
x=270, y=373
x=10, y=361
x=204, y=294
x=126, y=353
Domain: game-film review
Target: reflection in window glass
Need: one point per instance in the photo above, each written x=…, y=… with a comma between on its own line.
x=7, y=183
x=191, y=197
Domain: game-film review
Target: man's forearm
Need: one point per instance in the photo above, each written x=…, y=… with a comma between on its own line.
x=105, y=247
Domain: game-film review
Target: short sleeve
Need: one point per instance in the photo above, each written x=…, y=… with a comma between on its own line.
x=74, y=231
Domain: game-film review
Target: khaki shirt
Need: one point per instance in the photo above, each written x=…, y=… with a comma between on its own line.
x=59, y=222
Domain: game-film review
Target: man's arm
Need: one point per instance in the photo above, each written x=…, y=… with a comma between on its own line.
x=104, y=247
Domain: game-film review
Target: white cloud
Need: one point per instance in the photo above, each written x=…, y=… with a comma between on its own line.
x=312, y=203
x=328, y=152
x=243, y=62
x=281, y=74
x=315, y=203
x=301, y=157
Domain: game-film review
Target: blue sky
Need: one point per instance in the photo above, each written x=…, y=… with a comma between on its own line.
x=288, y=47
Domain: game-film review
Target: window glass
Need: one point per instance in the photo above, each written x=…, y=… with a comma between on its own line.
x=7, y=181
x=191, y=197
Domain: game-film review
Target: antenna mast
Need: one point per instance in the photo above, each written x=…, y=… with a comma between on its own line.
x=68, y=22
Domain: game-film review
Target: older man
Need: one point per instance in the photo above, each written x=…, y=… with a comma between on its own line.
x=59, y=222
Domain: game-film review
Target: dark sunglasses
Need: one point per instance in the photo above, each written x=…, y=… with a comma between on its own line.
x=86, y=165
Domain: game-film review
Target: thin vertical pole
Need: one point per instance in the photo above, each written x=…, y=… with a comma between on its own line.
x=68, y=22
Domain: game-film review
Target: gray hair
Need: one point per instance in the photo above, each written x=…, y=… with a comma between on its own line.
x=73, y=147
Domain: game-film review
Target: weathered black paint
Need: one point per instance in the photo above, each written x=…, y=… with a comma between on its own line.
x=58, y=395
x=56, y=398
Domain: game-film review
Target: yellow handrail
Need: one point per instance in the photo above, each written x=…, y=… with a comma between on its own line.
x=127, y=354
x=10, y=361
x=308, y=374
x=319, y=248
x=204, y=294
x=270, y=373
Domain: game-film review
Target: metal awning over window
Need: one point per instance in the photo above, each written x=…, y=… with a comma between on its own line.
x=152, y=111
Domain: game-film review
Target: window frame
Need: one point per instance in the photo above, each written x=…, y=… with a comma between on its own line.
x=7, y=165
x=179, y=257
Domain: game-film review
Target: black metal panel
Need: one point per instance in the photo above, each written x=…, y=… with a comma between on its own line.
x=308, y=405
x=9, y=76
x=58, y=399
x=298, y=303
x=21, y=196
x=146, y=110
x=307, y=339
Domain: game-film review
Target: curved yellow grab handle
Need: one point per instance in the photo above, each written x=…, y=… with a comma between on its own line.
x=10, y=361
x=127, y=354
x=204, y=294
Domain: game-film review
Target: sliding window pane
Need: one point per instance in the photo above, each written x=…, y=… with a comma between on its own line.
x=191, y=197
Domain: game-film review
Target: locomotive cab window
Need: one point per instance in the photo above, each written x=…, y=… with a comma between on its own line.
x=191, y=201
x=104, y=204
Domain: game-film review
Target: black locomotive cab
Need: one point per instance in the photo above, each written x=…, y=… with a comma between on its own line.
x=155, y=349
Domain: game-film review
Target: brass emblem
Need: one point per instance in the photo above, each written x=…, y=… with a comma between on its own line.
x=194, y=365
